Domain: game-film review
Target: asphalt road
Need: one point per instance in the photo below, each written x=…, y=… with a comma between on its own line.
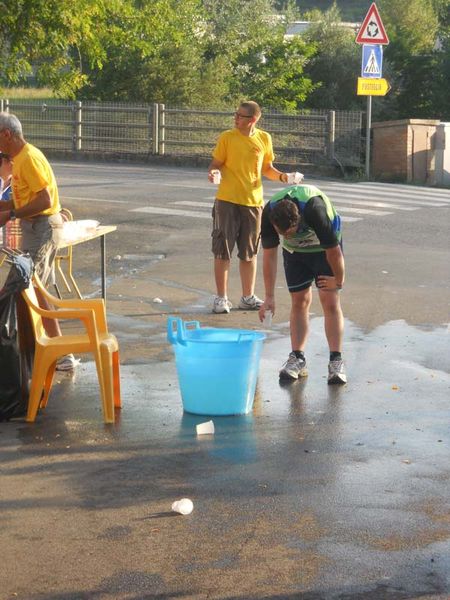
x=318, y=494
x=395, y=239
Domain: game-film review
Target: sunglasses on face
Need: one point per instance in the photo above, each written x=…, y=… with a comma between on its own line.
x=239, y=116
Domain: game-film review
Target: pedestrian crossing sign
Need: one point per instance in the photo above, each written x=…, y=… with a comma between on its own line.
x=372, y=61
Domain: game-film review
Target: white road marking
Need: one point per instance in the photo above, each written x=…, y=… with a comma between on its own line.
x=159, y=210
x=185, y=185
x=95, y=200
x=350, y=219
x=426, y=194
x=370, y=195
x=375, y=204
x=366, y=204
x=346, y=193
x=192, y=203
x=174, y=212
x=363, y=211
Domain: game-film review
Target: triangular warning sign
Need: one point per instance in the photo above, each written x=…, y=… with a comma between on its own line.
x=372, y=30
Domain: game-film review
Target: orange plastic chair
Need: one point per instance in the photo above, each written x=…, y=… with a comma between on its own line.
x=65, y=254
x=97, y=340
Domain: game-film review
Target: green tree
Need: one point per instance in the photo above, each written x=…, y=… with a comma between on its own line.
x=259, y=62
x=417, y=58
x=337, y=63
x=184, y=52
x=273, y=74
x=153, y=53
x=51, y=37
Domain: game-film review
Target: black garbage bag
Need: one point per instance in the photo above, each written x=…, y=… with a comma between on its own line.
x=16, y=345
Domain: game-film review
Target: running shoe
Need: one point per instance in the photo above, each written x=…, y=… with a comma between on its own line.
x=250, y=302
x=336, y=372
x=221, y=305
x=293, y=368
x=67, y=363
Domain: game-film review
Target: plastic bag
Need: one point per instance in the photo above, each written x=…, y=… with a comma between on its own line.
x=16, y=342
x=72, y=231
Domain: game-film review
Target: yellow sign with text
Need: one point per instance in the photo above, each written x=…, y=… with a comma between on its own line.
x=372, y=87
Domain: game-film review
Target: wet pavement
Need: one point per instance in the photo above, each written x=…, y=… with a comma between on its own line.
x=320, y=493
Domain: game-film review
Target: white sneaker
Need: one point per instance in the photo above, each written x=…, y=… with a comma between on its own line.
x=293, y=368
x=336, y=372
x=67, y=363
x=250, y=302
x=221, y=305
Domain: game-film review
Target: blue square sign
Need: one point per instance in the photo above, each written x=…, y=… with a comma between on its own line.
x=372, y=61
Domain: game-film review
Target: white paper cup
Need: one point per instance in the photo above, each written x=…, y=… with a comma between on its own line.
x=267, y=321
x=184, y=506
x=206, y=428
x=294, y=178
x=217, y=176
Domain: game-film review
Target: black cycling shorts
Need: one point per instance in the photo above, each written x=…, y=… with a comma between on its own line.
x=302, y=268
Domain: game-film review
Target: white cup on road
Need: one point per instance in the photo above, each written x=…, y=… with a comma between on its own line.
x=184, y=506
x=206, y=428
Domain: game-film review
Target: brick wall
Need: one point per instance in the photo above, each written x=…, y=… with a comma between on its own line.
x=403, y=150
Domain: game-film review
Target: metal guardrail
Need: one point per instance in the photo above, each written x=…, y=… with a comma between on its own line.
x=313, y=136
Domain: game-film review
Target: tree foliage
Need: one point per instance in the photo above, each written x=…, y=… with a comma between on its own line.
x=197, y=52
x=216, y=52
x=417, y=58
x=337, y=63
x=55, y=38
x=261, y=63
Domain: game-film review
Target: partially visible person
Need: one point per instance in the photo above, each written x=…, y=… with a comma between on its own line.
x=310, y=229
x=35, y=201
x=242, y=155
x=10, y=233
x=5, y=176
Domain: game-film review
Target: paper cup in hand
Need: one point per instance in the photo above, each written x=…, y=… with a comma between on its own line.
x=295, y=178
x=267, y=321
x=206, y=428
x=217, y=176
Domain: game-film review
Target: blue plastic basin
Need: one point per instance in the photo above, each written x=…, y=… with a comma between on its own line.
x=217, y=368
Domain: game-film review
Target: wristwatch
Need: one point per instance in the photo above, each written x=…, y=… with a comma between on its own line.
x=12, y=215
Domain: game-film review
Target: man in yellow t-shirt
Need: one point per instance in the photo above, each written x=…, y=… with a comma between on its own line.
x=242, y=155
x=35, y=202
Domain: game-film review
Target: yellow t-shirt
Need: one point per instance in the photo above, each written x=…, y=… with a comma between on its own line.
x=243, y=158
x=31, y=173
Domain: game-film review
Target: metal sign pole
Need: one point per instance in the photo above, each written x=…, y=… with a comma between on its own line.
x=368, y=128
x=373, y=37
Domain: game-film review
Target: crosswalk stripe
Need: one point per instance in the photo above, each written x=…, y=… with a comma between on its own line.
x=374, y=204
x=159, y=210
x=95, y=200
x=351, y=219
x=350, y=200
x=411, y=192
x=363, y=211
x=194, y=203
x=371, y=195
x=199, y=204
x=376, y=195
x=357, y=211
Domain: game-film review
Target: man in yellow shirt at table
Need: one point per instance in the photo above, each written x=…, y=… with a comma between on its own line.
x=35, y=201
